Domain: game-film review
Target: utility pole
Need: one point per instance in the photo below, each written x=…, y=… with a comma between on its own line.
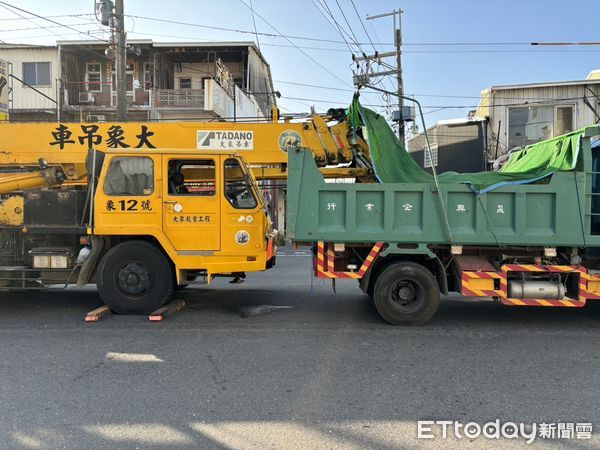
x=364, y=78
x=118, y=48
x=121, y=61
x=398, y=41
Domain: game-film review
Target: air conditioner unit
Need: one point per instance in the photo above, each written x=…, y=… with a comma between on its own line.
x=86, y=97
x=96, y=119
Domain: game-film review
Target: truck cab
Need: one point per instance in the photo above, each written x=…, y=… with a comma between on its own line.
x=168, y=217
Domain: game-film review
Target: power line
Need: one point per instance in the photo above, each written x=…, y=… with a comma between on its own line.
x=317, y=86
x=382, y=81
x=254, y=22
x=88, y=33
x=334, y=24
x=341, y=50
x=314, y=86
x=235, y=30
x=8, y=6
x=384, y=97
x=49, y=17
x=356, y=41
x=540, y=102
x=44, y=18
x=334, y=41
x=299, y=49
x=363, y=25
x=38, y=27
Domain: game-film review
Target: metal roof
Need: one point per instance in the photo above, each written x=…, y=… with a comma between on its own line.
x=461, y=121
x=162, y=44
x=101, y=42
x=7, y=46
x=206, y=44
x=544, y=84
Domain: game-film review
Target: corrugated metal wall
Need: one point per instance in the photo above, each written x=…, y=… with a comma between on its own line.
x=502, y=100
x=460, y=147
x=24, y=97
x=260, y=82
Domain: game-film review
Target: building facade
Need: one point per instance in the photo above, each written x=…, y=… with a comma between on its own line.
x=523, y=114
x=75, y=81
x=509, y=117
x=33, y=83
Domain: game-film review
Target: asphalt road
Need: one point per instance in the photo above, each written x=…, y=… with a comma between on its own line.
x=283, y=362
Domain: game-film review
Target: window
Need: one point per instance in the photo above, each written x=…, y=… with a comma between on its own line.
x=564, y=120
x=192, y=177
x=238, y=191
x=530, y=124
x=128, y=80
x=185, y=83
x=93, y=77
x=434, y=156
x=37, y=73
x=130, y=175
x=148, y=76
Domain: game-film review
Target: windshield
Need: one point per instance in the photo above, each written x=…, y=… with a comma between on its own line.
x=239, y=190
x=251, y=180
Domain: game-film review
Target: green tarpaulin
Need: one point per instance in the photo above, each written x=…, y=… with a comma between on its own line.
x=393, y=164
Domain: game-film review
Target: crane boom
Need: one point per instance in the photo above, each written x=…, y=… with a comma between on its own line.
x=44, y=177
x=337, y=152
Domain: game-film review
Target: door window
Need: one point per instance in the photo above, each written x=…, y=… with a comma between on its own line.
x=192, y=177
x=130, y=176
x=93, y=77
x=237, y=186
x=564, y=120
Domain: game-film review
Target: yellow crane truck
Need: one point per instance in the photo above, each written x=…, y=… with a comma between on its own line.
x=141, y=208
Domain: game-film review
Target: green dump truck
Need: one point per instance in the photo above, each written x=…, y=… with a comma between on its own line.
x=524, y=238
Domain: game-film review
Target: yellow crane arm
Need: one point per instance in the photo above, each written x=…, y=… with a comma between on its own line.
x=46, y=177
x=263, y=145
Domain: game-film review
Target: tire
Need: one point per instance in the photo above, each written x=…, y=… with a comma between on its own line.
x=135, y=278
x=406, y=293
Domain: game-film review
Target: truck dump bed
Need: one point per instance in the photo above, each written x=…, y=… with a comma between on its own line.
x=557, y=212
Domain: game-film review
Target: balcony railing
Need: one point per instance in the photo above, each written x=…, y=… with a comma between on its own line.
x=97, y=95
x=101, y=95
x=179, y=98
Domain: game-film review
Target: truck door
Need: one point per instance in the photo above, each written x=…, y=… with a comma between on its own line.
x=192, y=203
x=243, y=213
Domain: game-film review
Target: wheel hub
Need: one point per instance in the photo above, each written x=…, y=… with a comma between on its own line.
x=133, y=278
x=404, y=293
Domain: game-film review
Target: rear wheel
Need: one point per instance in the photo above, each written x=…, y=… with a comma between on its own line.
x=135, y=278
x=406, y=293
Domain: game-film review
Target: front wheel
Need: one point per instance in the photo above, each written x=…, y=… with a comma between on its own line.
x=406, y=293
x=135, y=278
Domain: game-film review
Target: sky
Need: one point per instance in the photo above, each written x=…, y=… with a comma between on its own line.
x=452, y=49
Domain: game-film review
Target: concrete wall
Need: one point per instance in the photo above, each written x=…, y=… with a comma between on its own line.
x=196, y=71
